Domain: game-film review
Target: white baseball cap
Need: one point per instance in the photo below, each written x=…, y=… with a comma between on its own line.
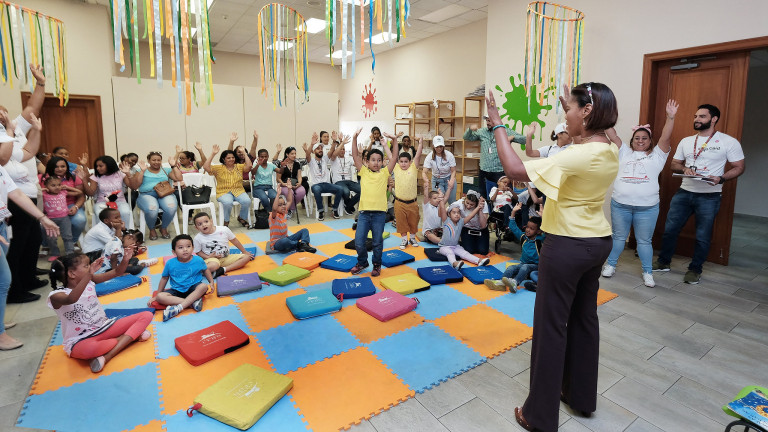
x=560, y=129
x=438, y=141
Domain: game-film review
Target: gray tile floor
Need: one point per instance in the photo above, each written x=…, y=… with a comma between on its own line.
x=670, y=356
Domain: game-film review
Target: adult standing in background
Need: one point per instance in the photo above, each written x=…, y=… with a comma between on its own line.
x=566, y=338
x=702, y=156
x=442, y=165
x=343, y=172
x=559, y=136
x=490, y=165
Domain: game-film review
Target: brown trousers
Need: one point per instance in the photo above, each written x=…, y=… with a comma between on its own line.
x=566, y=332
x=407, y=217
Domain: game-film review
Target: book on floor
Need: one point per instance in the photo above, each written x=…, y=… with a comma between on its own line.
x=752, y=407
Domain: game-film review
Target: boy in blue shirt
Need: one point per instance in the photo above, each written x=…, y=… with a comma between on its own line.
x=530, y=241
x=185, y=272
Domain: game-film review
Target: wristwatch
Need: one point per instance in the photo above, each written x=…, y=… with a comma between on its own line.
x=722, y=180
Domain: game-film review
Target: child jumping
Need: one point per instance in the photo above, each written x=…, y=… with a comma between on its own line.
x=212, y=244
x=372, y=208
x=530, y=240
x=452, y=225
x=406, y=191
x=279, y=240
x=185, y=271
x=55, y=206
x=87, y=332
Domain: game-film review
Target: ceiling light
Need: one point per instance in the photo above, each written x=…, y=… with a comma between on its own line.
x=314, y=25
x=281, y=45
x=337, y=54
x=381, y=38
x=445, y=13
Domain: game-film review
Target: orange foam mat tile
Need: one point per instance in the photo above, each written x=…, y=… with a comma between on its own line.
x=57, y=370
x=345, y=389
x=180, y=382
x=244, y=239
x=478, y=292
x=495, y=258
x=259, y=264
x=153, y=426
x=268, y=312
x=368, y=329
x=142, y=290
x=210, y=301
x=313, y=228
x=389, y=271
x=333, y=249
x=484, y=329
x=604, y=296
x=321, y=275
x=349, y=232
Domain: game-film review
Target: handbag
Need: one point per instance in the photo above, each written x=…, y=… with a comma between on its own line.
x=163, y=189
x=196, y=195
x=262, y=219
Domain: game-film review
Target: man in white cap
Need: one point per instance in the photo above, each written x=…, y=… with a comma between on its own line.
x=320, y=178
x=559, y=135
x=490, y=164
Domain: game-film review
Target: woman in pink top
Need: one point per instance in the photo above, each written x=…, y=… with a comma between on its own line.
x=59, y=167
x=107, y=180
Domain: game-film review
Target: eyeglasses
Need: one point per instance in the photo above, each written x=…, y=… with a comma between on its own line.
x=589, y=90
x=155, y=153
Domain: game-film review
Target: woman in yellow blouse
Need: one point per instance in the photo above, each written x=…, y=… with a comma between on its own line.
x=566, y=337
x=229, y=183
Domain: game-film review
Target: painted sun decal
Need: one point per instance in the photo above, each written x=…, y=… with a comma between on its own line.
x=369, y=100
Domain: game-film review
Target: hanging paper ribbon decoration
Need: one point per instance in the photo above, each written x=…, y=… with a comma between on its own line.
x=27, y=36
x=282, y=34
x=178, y=22
x=553, y=38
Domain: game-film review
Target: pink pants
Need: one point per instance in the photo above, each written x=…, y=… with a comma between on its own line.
x=133, y=326
x=457, y=251
x=299, y=193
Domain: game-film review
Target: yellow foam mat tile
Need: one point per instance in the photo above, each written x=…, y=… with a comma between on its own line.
x=604, y=296
x=180, y=382
x=349, y=232
x=484, y=329
x=268, y=312
x=142, y=290
x=389, y=271
x=337, y=392
x=478, y=292
x=368, y=329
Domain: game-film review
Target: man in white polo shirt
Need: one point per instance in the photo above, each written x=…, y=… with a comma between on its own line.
x=704, y=156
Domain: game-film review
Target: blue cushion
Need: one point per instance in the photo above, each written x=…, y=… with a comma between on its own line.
x=438, y=275
x=392, y=258
x=117, y=284
x=119, y=313
x=477, y=275
x=313, y=304
x=353, y=287
x=433, y=254
x=340, y=262
x=251, y=249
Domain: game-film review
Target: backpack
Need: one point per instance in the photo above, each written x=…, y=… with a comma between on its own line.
x=262, y=219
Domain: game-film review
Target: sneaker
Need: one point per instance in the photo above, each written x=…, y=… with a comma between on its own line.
x=691, y=277
x=219, y=271
x=289, y=215
x=495, y=285
x=608, y=271
x=349, y=210
x=458, y=264
x=484, y=262
x=414, y=242
x=648, y=280
x=376, y=270
x=336, y=214
x=148, y=262
x=307, y=248
x=144, y=336
x=198, y=305
x=171, y=311
x=321, y=216
x=357, y=269
x=510, y=283
x=530, y=285
x=658, y=266
x=404, y=242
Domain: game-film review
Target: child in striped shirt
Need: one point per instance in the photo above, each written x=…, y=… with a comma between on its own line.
x=279, y=240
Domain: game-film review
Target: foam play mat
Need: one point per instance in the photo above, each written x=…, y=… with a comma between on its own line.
x=346, y=367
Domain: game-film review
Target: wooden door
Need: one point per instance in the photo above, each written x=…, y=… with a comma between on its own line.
x=720, y=80
x=76, y=126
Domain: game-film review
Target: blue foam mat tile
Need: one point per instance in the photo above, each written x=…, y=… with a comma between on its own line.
x=283, y=417
x=120, y=312
x=338, y=224
x=503, y=265
x=56, y=338
x=424, y=356
x=279, y=257
x=265, y=291
x=300, y=343
x=114, y=402
x=159, y=251
x=441, y=300
x=518, y=306
x=258, y=235
x=328, y=237
x=320, y=286
x=136, y=303
x=422, y=263
x=181, y=325
x=392, y=241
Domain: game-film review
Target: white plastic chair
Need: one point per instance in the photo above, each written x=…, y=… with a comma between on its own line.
x=95, y=218
x=194, y=179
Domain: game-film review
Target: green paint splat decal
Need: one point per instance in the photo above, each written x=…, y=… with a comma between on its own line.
x=521, y=108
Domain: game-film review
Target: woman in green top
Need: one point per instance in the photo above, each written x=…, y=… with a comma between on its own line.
x=566, y=338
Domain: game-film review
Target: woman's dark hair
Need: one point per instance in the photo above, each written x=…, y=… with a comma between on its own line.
x=472, y=197
x=238, y=159
x=55, y=149
x=553, y=137
x=375, y=129
x=404, y=155
x=323, y=132
x=604, y=110
x=50, y=167
x=61, y=266
x=109, y=162
x=226, y=153
x=127, y=155
x=287, y=151
x=189, y=155
x=367, y=156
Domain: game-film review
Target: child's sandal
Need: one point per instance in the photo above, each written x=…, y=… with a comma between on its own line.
x=97, y=364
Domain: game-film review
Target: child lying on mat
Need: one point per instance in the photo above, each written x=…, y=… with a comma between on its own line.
x=185, y=271
x=87, y=332
x=212, y=244
x=530, y=240
x=452, y=224
x=279, y=240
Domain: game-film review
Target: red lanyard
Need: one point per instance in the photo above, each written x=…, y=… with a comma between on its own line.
x=703, y=146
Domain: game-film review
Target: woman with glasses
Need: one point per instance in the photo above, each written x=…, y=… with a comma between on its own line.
x=149, y=201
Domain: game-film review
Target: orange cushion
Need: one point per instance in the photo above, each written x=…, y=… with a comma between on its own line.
x=305, y=260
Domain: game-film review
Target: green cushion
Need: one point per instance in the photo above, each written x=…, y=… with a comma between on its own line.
x=384, y=235
x=284, y=275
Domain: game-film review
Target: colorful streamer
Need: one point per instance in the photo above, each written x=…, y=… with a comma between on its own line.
x=27, y=36
x=553, y=40
x=278, y=26
x=178, y=22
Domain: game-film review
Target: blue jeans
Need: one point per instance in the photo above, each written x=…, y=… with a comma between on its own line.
x=5, y=277
x=347, y=187
x=78, y=221
x=320, y=188
x=705, y=206
x=372, y=221
x=266, y=195
x=289, y=243
x=228, y=201
x=151, y=205
x=442, y=184
x=643, y=219
x=520, y=272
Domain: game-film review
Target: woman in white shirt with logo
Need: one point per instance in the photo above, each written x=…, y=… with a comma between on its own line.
x=442, y=165
x=635, y=200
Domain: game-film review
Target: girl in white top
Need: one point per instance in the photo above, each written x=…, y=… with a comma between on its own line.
x=559, y=135
x=635, y=200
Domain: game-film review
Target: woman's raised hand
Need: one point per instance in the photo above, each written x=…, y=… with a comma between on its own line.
x=198, y=146
x=255, y=135
x=493, y=112
x=672, y=107
x=335, y=136
x=233, y=137
x=360, y=129
x=564, y=97
x=172, y=161
x=84, y=159
x=125, y=167
x=216, y=148
x=142, y=164
x=279, y=148
x=178, y=149
x=530, y=130
x=315, y=139
x=36, y=123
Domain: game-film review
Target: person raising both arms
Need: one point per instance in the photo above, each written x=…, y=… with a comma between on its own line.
x=490, y=165
x=559, y=135
x=229, y=183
